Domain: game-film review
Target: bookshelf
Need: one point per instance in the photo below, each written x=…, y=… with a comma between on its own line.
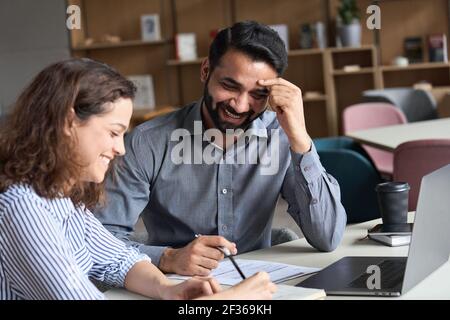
x=327, y=86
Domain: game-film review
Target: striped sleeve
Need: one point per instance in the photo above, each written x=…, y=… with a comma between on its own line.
x=111, y=257
x=36, y=257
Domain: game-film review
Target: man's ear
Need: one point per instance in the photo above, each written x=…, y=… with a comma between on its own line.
x=204, y=70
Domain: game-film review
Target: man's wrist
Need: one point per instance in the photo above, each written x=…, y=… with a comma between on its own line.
x=165, y=262
x=301, y=145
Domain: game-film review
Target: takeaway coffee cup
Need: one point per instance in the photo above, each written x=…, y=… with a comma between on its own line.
x=393, y=201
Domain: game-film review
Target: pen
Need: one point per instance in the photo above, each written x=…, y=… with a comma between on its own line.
x=228, y=255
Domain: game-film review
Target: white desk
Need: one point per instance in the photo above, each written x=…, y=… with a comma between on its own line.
x=299, y=252
x=388, y=138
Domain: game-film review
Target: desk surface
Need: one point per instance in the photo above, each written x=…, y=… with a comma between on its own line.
x=354, y=243
x=388, y=138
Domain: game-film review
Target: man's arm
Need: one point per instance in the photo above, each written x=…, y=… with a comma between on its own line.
x=312, y=194
x=314, y=201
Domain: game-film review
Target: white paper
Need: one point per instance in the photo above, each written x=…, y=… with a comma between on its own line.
x=226, y=273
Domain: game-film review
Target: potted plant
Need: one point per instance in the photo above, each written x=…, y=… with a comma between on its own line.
x=349, y=24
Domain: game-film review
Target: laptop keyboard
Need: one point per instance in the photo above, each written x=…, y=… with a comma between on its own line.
x=391, y=271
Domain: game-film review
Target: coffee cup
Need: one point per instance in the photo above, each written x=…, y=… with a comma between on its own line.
x=393, y=201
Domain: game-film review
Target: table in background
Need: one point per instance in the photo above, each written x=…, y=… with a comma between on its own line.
x=390, y=137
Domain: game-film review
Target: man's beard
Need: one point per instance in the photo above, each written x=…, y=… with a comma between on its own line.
x=214, y=113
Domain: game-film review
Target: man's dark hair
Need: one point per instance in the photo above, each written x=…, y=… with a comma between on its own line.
x=258, y=41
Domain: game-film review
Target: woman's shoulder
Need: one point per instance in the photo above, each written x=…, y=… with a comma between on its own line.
x=20, y=195
x=19, y=192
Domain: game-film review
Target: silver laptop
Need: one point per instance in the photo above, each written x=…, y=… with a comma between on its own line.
x=429, y=249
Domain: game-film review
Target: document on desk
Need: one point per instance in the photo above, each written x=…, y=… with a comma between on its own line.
x=284, y=292
x=226, y=273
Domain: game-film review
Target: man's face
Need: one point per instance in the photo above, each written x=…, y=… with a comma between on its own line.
x=231, y=94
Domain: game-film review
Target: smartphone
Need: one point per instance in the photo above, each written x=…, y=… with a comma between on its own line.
x=392, y=229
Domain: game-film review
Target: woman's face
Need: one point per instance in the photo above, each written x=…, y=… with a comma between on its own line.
x=100, y=139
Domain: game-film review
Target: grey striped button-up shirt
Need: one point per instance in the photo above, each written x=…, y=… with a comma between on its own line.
x=50, y=248
x=198, y=191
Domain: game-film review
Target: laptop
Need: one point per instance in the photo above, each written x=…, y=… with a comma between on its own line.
x=429, y=249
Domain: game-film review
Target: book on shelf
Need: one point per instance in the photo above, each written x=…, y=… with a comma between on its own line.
x=392, y=241
x=413, y=49
x=437, y=48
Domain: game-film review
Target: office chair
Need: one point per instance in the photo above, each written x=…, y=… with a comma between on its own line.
x=414, y=159
x=373, y=115
x=417, y=105
x=351, y=166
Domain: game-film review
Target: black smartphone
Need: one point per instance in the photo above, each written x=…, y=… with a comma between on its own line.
x=391, y=229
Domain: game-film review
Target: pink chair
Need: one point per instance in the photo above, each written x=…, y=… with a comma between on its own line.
x=414, y=159
x=372, y=115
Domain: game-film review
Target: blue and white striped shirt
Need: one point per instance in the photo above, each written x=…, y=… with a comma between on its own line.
x=50, y=248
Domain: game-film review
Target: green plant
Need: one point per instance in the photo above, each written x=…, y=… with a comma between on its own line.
x=348, y=11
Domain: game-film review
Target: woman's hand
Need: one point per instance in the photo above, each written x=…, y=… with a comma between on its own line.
x=190, y=289
x=257, y=287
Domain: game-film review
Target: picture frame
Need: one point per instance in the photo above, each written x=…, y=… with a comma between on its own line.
x=150, y=27
x=186, y=46
x=145, y=94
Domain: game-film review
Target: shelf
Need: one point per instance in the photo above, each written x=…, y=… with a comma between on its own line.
x=121, y=44
x=172, y=63
x=301, y=52
x=351, y=49
x=416, y=66
x=321, y=97
x=360, y=71
x=291, y=53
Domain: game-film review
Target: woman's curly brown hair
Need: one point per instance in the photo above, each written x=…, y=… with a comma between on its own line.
x=35, y=148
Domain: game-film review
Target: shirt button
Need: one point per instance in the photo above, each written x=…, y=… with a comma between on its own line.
x=297, y=168
x=224, y=228
x=314, y=201
x=306, y=169
x=224, y=191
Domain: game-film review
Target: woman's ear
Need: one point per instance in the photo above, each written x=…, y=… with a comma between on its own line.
x=70, y=122
x=204, y=70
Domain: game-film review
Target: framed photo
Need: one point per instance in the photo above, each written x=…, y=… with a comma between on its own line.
x=145, y=94
x=186, y=46
x=150, y=27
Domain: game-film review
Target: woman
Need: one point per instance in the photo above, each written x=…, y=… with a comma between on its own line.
x=59, y=141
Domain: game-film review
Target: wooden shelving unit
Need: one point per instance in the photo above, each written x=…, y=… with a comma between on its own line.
x=314, y=70
x=121, y=44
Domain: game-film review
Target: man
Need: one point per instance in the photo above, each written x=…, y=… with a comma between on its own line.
x=197, y=187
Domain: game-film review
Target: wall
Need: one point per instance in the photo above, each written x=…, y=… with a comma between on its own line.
x=32, y=35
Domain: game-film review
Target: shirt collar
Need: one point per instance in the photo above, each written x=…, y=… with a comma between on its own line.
x=258, y=127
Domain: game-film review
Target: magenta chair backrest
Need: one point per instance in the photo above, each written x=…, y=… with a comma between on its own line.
x=414, y=159
x=371, y=115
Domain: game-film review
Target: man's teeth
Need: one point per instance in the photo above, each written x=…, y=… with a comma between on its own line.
x=228, y=113
x=105, y=160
